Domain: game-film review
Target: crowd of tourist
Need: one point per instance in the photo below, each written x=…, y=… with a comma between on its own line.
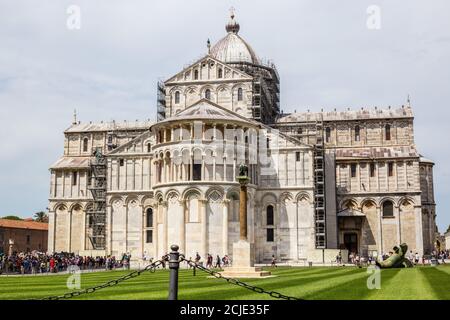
x=414, y=257
x=39, y=262
x=211, y=262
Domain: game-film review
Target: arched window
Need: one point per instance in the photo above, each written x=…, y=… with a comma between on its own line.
x=327, y=134
x=177, y=97
x=196, y=75
x=208, y=94
x=387, y=131
x=299, y=131
x=239, y=94
x=357, y=133
x=85, y=144
x=220, y=74
x=149, y=218
x=388, y=209
x=269, y=215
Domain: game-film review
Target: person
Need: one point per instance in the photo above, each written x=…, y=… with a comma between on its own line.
x=411, y=256
x=417, y=258
x=217, y=262
x=209, y=261
x=52, y=265
x=352, y=257
x=273, y=261
x=197, y=258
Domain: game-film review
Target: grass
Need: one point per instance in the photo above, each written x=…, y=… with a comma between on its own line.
x=306, y=283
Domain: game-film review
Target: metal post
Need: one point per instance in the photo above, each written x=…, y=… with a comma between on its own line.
x=174, y=266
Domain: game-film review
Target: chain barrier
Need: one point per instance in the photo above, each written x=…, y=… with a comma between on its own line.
x=218, y=275
x=151, y=267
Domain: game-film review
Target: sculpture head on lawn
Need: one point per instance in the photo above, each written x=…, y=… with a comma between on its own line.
x=397, y=260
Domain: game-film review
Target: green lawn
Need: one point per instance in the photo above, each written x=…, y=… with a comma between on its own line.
x=306, y=283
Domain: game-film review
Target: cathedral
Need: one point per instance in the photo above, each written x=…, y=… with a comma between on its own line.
x=320, y=183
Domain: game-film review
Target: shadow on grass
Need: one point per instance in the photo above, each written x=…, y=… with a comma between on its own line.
x=438, y=280
x=290, y=285
x=354, y=290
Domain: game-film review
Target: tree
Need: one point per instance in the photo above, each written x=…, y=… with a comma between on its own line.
x=41, y=216
x=12, y=218
x=448, y=229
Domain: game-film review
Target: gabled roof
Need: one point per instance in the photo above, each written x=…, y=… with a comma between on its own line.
x=205, y=109
x=71, y=163
x=22, y=224
x=225, y=65
x=363, y=114
x=109, y=126
x=377, y=152
x=123, y=148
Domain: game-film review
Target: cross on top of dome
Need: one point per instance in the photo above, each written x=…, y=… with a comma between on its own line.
x=232, y=25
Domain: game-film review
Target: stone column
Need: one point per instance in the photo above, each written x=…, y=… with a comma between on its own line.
x=419, y=230
x=165, y=226
x=225, y=227
x=182, y=231
x=155, y=231
x=243, y=211
x=69, y=230
x=125, y=205
x=51, y=231
x=243, y=197
x=380, y=231
x=399, y=228
x=204, y=227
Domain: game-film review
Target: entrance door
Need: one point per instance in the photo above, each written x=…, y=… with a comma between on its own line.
x=351, y=242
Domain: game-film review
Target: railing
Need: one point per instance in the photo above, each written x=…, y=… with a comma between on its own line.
x=174, y=259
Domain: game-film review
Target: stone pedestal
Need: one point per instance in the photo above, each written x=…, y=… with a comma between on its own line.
x=243, y=250
x=243, y=262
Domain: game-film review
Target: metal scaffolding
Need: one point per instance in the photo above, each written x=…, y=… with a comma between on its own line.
x=319, y=188
x=160, y=101
x=96, y=212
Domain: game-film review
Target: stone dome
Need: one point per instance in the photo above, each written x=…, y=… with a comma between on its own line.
x=232, y=48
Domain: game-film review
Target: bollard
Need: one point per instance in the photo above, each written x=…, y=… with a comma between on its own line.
x=174, y=265
x=193, y=273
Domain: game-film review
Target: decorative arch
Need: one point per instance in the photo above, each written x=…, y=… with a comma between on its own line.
x=222, y=87
x=190, y=90
x=232, y=193
x=269, y=197
x=349, y=203
x=286, y=196
x=384, y=199
x=191, y=191
x=147, y=201
x=368, y=202
x=204, y=88
x=176, y=88
x=60, y=206
x=303, y=196
x=172, y=193
x=159, y=196
x=217, y=189
x=130, y=199
x=74, y=205
x=404, y=200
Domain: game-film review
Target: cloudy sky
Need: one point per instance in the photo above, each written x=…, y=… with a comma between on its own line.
x=326, y=55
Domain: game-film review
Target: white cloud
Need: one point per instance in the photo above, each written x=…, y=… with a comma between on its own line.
x=108, y=69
